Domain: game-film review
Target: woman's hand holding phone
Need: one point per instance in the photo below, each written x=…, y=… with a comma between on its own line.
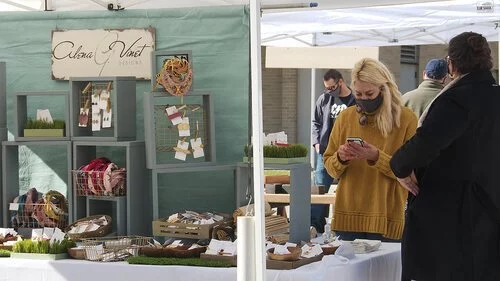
x=357, y=149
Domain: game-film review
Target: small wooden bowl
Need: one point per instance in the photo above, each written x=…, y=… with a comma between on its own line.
x=293, y=256
x=329, y=250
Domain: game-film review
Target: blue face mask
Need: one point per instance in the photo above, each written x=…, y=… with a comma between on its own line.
x=370, y=106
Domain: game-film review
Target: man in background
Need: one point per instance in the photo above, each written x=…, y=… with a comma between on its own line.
x=336, y=97
x=434, y=79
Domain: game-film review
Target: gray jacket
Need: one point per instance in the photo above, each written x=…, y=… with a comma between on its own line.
x=418, y=99
x=328, y=107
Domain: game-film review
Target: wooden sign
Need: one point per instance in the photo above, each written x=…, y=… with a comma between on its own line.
x=102, y=52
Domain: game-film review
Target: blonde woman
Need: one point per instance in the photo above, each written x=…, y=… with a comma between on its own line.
x=370, y=201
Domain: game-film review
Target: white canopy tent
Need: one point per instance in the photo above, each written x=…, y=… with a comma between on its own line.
x=349, y=26
x=408, y=24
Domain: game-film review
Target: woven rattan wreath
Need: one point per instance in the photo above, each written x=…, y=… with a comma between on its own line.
x=176, y=76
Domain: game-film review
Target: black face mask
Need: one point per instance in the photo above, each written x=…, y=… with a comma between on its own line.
x=370, y=106
x=331, y=92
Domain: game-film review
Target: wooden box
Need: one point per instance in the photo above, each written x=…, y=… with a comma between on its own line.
x=275, y=264
x=183, y=230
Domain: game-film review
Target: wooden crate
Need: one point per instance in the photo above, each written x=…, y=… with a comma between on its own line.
x=183, y=230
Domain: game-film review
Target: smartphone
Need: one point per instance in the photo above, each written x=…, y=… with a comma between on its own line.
x=356, y=140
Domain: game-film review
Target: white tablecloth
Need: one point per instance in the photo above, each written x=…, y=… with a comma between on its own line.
x=382, y=265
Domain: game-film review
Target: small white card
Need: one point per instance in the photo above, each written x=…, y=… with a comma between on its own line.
x=13, y=207
x=173, y=114
x=96, y=119
x=95, y=101
x=83, y=117
x=37, y=234
x=107, y=118
x=311, y=251
x=47, y=233
x=44, y=114
x=197, y=147
x=184, y=127
x=217, y=247
x=57, y=236
x=103, y=99
x=184, y=146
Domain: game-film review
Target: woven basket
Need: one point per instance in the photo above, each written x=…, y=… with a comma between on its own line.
x=77, y=253
x=293, y=256
x=100, y=232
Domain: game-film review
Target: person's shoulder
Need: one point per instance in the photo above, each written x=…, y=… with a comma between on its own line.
x=410, y=95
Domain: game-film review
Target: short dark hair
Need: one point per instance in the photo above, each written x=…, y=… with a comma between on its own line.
x=469, y=51
x=332, y=74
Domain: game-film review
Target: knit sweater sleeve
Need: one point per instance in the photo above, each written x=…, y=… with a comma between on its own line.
x=330, y=158
x=384, y=159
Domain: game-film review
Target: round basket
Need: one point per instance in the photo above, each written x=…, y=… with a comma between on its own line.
x=77, y=253
x=100, y=232
x=293, y=256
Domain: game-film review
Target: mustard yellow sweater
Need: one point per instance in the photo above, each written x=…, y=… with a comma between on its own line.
x=369, y=198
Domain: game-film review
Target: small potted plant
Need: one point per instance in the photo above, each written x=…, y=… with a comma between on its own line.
x=43, y=128
x=281, y=154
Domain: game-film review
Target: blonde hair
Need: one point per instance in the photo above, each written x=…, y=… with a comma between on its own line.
x=374, y=72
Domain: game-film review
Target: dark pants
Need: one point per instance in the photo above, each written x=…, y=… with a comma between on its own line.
x=320, y=211
x=351, y=236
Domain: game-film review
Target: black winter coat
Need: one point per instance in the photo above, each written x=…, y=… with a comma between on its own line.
x=452, y=229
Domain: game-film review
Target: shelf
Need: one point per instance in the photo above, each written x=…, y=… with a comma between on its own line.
x=129, y=211
x=10, y=173
x=300, y=197
x=122, y=97
x=203, y=169
x=162, y=136
x=58, y=100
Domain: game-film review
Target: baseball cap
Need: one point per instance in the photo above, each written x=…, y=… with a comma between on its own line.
x=436, y=69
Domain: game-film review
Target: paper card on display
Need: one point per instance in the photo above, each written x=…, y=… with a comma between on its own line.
x=96, y=119
x=37, y=234
x=84, y=117
x=103, y=99
x=311, y=251
x=197, y=147
x=174, y=115
x=13, y=206
x=47, y=233
x=58, y=236
x=107, y=118
x=183, y=146
x=184, y=127
x=44, y=114
x=95, y=102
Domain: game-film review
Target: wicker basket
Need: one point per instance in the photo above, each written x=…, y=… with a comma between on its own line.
x=77, y=253
x=293, y=256
x=100, y=232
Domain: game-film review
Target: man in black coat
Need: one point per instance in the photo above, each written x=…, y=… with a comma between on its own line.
x=450, y=167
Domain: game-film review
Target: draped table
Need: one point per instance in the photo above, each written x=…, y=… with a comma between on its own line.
x=382, y=265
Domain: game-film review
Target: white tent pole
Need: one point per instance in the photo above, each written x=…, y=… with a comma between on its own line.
x=498, y=47
x=313, y=107
x=257, y=140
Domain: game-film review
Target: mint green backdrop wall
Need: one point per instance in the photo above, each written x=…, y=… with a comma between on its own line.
x=219, y=40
